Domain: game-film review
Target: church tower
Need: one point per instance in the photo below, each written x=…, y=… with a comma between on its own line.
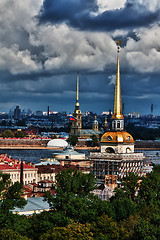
x=77, y=125
x=117, y=140
x=95, y=124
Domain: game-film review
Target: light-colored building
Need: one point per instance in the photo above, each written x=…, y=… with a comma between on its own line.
x=116, y=157
x=70, y=156
x=13, y=167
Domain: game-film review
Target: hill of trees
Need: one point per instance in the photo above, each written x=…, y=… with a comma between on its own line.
x=132, y=214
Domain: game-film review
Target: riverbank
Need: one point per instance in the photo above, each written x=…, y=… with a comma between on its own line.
x=42, y=143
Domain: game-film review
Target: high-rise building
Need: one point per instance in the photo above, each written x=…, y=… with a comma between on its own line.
x=17, y=113
x=116, y=157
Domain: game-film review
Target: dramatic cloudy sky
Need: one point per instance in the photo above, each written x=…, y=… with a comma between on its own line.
x=43, y=43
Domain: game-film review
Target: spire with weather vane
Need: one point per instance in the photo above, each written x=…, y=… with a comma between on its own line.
x=77, y=98
x=117, y=117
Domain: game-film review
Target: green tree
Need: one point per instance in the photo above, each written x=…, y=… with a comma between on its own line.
x=94, y=140
x=73, y=231
x=7, y=134
x=105, y=228
x=130, y=185
x=9, y=234
x=71, y=183
x=10, y=195
x=73, y=140
x=20, y=134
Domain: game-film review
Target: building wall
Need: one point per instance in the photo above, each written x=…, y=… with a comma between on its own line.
x=120, y=148
x=29, y=175
x=49, y=176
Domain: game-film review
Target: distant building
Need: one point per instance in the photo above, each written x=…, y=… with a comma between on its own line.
x=17, y=113
x=38, y=113
x=13, y=167
x=134, y=115
x=76, y=127
x=48, y=172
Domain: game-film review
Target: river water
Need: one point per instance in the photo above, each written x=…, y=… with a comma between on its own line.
x=35, y=155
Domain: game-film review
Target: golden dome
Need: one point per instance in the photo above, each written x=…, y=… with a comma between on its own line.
x=117, y=137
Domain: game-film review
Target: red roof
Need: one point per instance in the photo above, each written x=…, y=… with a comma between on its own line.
x=9, y=163
x=54, y=168
x=46, y=181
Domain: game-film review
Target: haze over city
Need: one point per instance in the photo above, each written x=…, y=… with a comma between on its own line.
x=45, y=43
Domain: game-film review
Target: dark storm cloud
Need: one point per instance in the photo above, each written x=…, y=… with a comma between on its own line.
x=80, y=14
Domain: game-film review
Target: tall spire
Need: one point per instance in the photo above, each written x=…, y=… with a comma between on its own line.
x=77, y=126
x=117, y=114
x=77, y=99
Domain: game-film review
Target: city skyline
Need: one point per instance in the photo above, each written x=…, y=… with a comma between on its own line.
x=44, y=44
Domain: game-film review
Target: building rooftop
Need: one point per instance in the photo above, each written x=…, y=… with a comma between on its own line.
x=34, y=205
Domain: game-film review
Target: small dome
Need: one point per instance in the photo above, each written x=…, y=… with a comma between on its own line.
x=116, y=137
x=57, y=143
x=95, y=122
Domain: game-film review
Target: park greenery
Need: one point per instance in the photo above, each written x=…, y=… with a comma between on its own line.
x=13, y=134
x=132, y=214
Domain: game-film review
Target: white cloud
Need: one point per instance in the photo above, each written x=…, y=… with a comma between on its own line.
x=16, y=21
x=105, y=5
x=150, y=5
x=112, y=79
x=144, y=55
x=65, y=48
x=17, y=61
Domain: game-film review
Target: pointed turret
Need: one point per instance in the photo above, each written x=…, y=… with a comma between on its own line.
x=117, y=117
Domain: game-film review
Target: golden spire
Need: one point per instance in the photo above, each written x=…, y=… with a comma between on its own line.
x=117, y=114
x=77, y=99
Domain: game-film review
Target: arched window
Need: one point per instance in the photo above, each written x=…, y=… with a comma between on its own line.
x=109, y=150
x=128, y=150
